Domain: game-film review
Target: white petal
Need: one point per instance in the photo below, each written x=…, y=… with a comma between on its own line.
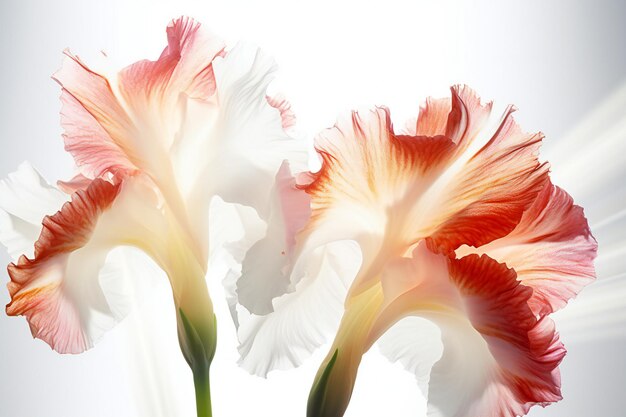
x=233, y=230
x=415, y=343
x=267, y=266
x=25, y=198
x=304, y=319
x=125, y=277
x=252, y=143
x=463, y=374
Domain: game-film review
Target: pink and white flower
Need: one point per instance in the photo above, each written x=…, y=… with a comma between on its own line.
x=447, y=244
x=153, y=143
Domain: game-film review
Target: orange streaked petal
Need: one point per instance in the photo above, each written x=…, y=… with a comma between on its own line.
x=36, y=286
x=432, y=119
x=498, y=358
x=486, y=197
x=369, y=176
x=70, y=291
x=526, y=350
x=460, y=118
x=551, y=249
x=388, y=191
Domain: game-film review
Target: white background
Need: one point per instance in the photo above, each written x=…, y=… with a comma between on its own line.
x=563, y=64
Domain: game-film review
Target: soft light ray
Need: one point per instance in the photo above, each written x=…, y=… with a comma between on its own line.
x=585, y=162
x=600, y=313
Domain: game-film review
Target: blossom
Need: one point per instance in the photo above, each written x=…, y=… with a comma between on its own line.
x=447, y=244
x=153, y=143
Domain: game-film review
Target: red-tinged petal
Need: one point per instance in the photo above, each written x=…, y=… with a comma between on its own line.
x=96, y=127
x=370, y=178
x=185, y=66
x=483, y=198
x=460, y=118
x=526, y=351
x=36, y=286
x=68, y=291
x=498, y=359
x=551, y=249
x=287, y=115
x=432, y=119
x=78, y=182
x=467, y=117
x=130, y=120
x=388, y=191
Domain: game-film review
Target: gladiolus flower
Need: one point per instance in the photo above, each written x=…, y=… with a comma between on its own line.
x=153, y=144
x=447, y=244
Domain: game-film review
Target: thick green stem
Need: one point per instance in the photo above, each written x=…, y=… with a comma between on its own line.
x=203, y=392
x=317, y=396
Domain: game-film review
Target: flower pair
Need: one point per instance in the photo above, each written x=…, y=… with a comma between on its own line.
x=446, y=243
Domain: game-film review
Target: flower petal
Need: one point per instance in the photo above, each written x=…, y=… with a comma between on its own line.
x=370, y=176
x=130, y=120
x=287, y=116
x=185, y=66
x=267, y=266
x=416, y=343
x=486, y=197
x=97, y=131
x=459, y=118
x=78, y=182
x=25, y=198
x=152, y=116
x=238, y=229
x=249, y=138
x=285, y=337
x=388, y=191
x=498, y=358
x=432, y=119
x=249, y=141
x=61, y=289
x=551, y=250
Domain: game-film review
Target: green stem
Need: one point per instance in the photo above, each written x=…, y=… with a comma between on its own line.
x=198, y=346
x=203, y=392
x=317, y=396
